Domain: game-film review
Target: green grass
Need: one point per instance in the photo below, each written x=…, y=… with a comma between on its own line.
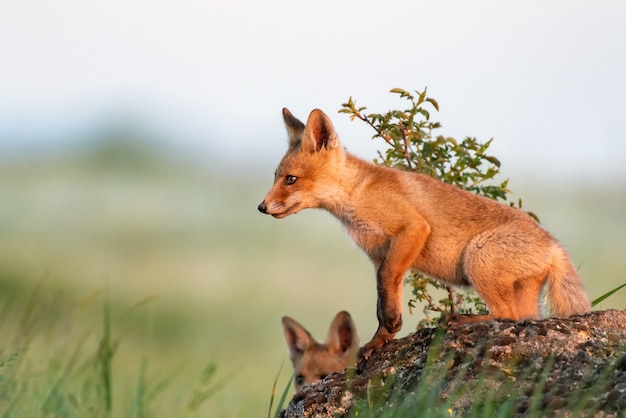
x=62, y=357
x=159, y=292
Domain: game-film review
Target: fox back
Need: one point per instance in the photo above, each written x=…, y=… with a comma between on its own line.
x=313, y=360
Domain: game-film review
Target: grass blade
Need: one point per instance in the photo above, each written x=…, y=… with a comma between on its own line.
x=283, y=396
x=606, y=295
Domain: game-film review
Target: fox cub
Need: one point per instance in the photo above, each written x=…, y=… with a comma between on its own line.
x=312, y=360
x=409, y=221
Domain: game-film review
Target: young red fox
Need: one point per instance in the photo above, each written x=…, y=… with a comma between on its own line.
x=312, y=360
x=405, y=220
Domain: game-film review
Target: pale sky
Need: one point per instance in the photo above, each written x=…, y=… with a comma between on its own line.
x=545, y=78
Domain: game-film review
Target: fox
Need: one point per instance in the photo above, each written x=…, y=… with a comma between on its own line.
x=312, y=360
x=409, y=221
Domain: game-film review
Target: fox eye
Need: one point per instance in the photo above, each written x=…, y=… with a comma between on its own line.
x=299, y=379
x=291, y=179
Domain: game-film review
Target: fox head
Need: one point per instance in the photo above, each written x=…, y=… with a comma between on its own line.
x=312, y=360
x=307, y=175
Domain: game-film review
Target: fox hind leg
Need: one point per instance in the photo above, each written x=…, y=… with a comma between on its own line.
x=498, y=292
x=518, y=302
x=528, y=296
x=508, y=267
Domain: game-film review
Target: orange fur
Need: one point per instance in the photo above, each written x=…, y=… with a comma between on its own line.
x=312, y=360
x=409, y=221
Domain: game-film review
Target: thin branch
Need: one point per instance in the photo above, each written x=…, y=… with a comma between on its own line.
x=378, y=131
x=405, y=140
x=452, y=297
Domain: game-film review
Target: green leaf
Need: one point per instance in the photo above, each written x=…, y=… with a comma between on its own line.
x=401, y=92
x=433, y=102
x=492, y=160
x=422, y=97
x=424, y=112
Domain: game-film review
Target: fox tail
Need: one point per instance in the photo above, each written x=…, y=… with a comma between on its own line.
x=565, y=289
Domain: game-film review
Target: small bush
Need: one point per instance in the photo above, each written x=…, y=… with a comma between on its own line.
x=412, y=145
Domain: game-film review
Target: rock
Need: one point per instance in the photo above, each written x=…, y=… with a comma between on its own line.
x=574, y=366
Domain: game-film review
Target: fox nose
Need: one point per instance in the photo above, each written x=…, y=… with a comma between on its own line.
x=262, y=207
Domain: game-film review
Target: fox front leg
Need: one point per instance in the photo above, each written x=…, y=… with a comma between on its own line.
x=389, y=313
x=388, y=306
x=404, y=249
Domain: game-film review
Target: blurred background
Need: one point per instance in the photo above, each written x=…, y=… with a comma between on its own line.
x=137, y=139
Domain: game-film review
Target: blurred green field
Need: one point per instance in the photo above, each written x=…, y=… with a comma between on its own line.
x=195, y=276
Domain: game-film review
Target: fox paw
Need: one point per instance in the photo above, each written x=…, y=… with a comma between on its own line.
x=366, y=351
x=363, y=355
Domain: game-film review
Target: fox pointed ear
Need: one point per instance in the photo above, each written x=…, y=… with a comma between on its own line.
x=295, y=128
x=319, y=133
x=343, y=337
x=298, y=339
